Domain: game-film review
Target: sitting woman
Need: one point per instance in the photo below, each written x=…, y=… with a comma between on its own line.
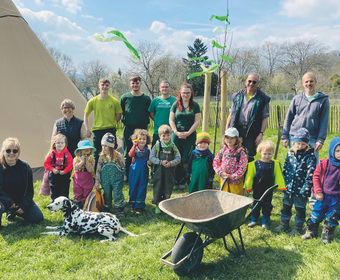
x=16, y=185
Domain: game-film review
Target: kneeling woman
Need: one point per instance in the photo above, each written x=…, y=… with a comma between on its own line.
x=16, y=185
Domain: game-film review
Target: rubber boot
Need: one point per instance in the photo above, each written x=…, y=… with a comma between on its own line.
x=311, y=231
x=296, y=230
x=265, y=222
x=327, y=234
x=253, y=222
x=10, y=216
x=283, y=226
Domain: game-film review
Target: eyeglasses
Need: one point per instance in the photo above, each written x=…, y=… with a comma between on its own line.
x=15, y=151
x=252, y=82
x=65, y=108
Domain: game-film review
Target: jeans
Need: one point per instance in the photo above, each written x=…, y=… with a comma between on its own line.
x=300, y=207
x=31, y=215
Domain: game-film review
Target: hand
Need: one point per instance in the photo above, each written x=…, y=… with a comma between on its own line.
x=89, y=133
x=135, y=142
x=224, y=175
x=20, y=211
x=318, y=146
x=167, y=164
x=182, y=135
x=13, y=206
x=61, y=172
x=319, y=196
x=55, y=171
x=259, y=139
x=83, y=159
x=149, y=163
x=285, y=143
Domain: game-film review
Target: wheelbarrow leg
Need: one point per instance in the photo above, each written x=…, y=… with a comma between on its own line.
x=239, y=252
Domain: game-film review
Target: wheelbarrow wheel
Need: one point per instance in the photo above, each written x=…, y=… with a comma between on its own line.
x=182, y=248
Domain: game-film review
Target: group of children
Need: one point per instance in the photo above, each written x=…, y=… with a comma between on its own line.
x=230, y=164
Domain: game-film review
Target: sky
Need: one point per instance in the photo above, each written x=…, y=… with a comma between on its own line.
x=69, y=25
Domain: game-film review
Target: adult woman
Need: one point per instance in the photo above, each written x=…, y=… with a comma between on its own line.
x=70, y=126
x=185, y=116
x=16, y=185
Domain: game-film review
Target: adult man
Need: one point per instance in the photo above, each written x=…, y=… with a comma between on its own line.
x=107, y=113
x=160, y=108
x=249, y=114
x=309, y=109
x=135, y=106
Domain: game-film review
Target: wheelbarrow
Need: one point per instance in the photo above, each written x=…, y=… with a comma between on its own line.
x=212, y=213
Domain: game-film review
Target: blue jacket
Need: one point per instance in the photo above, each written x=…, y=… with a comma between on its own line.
x=298, y=171
x=313, y=116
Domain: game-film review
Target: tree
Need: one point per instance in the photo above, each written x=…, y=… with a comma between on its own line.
x=155, y=65
x=199, y=49
x=91, y=72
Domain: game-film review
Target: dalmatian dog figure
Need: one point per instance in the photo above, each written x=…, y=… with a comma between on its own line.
x=83, y=222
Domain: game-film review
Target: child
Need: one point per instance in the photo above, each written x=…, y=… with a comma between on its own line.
x=261, y=175
x=298, y=172
x=59, y=162
x=139, y=172
x=200, y=165
x=83, y=172
x=231, y=162
x=165, y=156
x=326, y=181
x=110, y=174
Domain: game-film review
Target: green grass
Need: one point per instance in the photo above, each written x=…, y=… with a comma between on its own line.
x=26, y=254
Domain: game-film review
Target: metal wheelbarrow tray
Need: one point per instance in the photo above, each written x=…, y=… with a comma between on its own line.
x=212, y=213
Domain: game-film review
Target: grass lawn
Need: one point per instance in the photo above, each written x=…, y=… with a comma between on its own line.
x=26, y=254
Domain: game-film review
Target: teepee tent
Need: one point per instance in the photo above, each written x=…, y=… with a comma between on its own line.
x=32, y=86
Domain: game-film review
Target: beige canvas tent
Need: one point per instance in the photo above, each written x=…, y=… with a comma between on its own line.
x=32, y=86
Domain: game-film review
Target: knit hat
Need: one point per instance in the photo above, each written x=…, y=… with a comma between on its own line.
x=203, y=137
x=231, y=132
x=108, y=140
x=83, y=145
x=302, y=135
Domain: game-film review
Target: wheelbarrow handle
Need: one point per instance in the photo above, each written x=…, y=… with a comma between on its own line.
x=258, y=201
x=224, y=182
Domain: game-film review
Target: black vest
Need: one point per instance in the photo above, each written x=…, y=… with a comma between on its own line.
x=71, y=130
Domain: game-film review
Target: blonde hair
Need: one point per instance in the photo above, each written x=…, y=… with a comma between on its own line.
x=112, y=152
x=8, y=142
x=164, y=129
x=265, y=145
x=238, y=143
x=67, y=103
x=54, y=140
x=142, y=132
x=294, y=147
x=104, y=81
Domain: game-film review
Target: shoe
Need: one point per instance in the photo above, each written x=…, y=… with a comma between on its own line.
x=132, y=209
x=265, y=222
x=253, y=222
x=283, y=226
x=181, y=187
x=297, y=230
x=121, y=213
x=327, y=234
x=106, y=208
x=175, y=187
x=139, y=211
x=10, y=216
x=157, y=210
x=311, y=231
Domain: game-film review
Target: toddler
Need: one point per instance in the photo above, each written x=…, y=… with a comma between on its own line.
x=261, y=175
x=200, y=172
x=231, y=162
x=298, y=172
x=110, y=174
x=165, y=156
x=326, y=181
x=83, y=172
x=139, y=172
x=59, y=162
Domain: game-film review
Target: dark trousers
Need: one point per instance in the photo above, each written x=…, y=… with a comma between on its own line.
x=97, y=141
x=265, y=205
x=59, y=184
x=31, y=215
x=248, y=143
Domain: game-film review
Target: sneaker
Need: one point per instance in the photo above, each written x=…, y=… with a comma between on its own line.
x=10, y=216
x=265, y=222
x=132, y=209
x=175, y=187
x=157, y=210
x=253, y=222
x=181, y=187
x=139, y=211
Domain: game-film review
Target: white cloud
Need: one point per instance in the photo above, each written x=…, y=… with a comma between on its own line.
x=314, y=9
x=91, y=17
x=72, y=6
x=39, y=2
x=158, y=27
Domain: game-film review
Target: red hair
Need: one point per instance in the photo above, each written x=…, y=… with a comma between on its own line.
x=179, y=101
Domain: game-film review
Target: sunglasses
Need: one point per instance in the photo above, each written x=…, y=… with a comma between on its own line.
x=15, y=151
x=252, y=82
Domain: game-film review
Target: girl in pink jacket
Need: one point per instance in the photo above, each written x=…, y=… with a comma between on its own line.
x=231, y=162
